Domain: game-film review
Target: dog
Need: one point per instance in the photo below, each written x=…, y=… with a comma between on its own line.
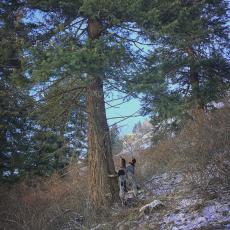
x=122, y=181
x=130, y=170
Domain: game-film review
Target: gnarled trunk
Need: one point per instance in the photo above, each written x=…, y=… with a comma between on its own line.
x=103, y=189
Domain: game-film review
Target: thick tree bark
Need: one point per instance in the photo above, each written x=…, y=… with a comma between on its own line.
x=103, y=189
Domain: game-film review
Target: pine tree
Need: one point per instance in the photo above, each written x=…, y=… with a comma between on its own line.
x=28, y=146
x=116, y=141
x=188, y=66
x=84, y=50
x=136, y=127
x=14, y=99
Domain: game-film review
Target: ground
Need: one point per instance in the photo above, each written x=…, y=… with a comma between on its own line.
x=183, y=206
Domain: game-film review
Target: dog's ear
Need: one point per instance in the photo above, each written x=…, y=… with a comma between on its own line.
x=123, y=162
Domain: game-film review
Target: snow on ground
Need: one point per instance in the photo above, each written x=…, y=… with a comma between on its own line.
x=183, y=208
x=169, y=202
x=165, y=183
x=214, y=214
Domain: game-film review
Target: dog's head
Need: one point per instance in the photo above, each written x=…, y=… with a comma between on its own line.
x=133, y=162
x=123, y=163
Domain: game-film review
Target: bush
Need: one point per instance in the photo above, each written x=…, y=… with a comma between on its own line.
x=201, y=149
x=45, y=204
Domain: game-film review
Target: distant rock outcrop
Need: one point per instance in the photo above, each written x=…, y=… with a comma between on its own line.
x=139, y=139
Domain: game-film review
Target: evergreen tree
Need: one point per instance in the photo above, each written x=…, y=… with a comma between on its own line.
x=188, y=66
x=30, y=144
x=83, y=53
x=76, y=134
x=14, y=125
x=116, y=141
x=14, y=99
x=136, y=127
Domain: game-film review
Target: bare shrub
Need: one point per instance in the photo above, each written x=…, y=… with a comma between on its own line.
x=46, y=204
x=202, y=149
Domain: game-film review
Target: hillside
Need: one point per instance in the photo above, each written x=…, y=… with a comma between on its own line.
x=172, y=204
x=75, y=75
x=184, y=184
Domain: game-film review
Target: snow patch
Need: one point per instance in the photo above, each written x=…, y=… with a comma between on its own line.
x=153, y=205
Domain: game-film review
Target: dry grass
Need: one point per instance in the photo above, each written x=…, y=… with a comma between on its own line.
x=201, y=150
x=47, y=204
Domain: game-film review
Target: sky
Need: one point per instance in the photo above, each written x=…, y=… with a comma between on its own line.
x=128, y=108
x=132, y=106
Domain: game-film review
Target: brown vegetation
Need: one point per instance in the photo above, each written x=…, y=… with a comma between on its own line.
x=201, y=150
x=46, y=204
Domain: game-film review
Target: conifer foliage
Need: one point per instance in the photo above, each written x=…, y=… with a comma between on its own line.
x=14, y=122
x=80, y=59
x=188, y=66
x=29, y=142
x=60, y=59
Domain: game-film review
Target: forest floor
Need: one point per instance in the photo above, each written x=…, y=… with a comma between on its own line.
x=168, y=202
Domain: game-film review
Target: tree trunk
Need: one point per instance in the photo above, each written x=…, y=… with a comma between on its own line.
x=103, y=189
x=196, y=93
x=194, y=81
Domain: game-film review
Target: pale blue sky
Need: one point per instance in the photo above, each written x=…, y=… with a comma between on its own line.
x=126, y=109
x=130, y=107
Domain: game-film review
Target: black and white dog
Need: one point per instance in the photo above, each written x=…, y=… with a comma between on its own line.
x=130, y=171
x=122, y=181
x=126, y=176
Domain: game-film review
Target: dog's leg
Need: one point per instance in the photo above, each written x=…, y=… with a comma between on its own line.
x=122, y=189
